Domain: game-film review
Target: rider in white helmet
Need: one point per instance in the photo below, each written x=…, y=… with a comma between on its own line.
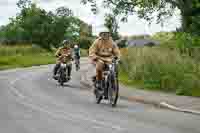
x=77, y=51
x=75, y=46
x=102, y=51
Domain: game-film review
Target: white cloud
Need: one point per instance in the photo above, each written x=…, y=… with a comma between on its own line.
x=8, y=9
x=134, y=25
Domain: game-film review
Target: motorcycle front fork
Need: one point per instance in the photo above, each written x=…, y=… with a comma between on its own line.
x=105, y=88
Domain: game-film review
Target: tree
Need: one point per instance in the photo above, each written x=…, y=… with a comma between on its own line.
x=24, y=3
x=34, y=25
x=2, y=34
x=37, y=25
x=122, y=43
x=64, y=12
x=112, y=24
x=147, y=9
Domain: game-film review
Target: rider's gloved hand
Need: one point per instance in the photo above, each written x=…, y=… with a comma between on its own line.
x=95, y=58
x=58, y=55
x=116, y=58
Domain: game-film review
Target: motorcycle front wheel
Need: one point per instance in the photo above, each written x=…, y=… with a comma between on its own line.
x=113, y=91
x=61, y=77
x=98, y=97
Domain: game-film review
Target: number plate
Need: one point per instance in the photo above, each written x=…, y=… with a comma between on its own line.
x=63, y=65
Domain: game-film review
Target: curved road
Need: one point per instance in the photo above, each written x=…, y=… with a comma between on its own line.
x=31, y=102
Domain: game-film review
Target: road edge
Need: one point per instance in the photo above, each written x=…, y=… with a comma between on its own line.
x=163, y=104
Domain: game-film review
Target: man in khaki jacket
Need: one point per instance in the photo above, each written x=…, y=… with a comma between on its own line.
x=64, y=50
x=102, y=51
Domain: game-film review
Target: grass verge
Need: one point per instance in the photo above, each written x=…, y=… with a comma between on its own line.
x=160, y=69
x=24, y=56
x=25, y=61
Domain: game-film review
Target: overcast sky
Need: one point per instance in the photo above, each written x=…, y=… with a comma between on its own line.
x=134, y=26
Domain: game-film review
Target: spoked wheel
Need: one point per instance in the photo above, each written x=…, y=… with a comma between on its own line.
x=61, y=83
x=113, y=92
x=61, y=77
x=98, y=97
x=60, y=80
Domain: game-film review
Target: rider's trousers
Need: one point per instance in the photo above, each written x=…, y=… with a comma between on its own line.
x=56, y=67
x=99, y=70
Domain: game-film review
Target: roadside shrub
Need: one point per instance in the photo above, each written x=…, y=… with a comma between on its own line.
x=84, y=52
x=85, y=43
x=122, y=44
x=186, y=44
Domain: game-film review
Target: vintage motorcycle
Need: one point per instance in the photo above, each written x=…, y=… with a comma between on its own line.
x=65, y=65
x=110, y=84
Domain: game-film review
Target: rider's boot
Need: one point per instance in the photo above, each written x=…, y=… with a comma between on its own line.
x=55, y=70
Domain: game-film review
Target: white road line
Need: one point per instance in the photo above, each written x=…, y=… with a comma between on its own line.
x=16, y=92
x=179, y=109
x=66, y=116
x=71, y=117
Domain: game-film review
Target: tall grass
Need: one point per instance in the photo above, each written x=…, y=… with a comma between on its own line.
x=20, y=50
x=24, y=56
x=162, y=69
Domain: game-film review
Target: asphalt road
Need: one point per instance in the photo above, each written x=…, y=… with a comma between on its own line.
x=32, y=102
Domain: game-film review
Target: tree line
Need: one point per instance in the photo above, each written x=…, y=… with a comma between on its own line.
x=34, y=25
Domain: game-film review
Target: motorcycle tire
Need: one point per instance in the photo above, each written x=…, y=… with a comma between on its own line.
x=113, y=91
x=61, y=77
x=98, y=97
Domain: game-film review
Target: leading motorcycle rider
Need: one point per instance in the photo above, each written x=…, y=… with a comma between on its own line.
x=102, y=52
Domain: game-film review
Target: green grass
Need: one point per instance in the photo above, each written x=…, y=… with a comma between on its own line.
x=160, y=69
x=124, y=79
x=25, y=61
x=20, y=50
x=84, y=52
x=24, y=56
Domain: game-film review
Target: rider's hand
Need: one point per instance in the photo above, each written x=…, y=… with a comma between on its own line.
x=94, y=58
x=58, y=55
x=118, y=59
